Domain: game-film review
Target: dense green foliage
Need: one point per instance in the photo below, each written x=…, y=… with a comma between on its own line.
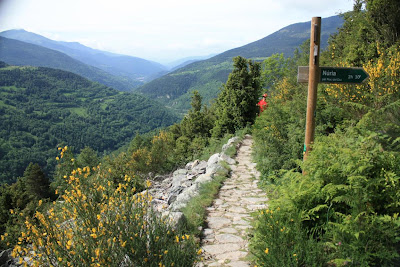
x=198, y=122
x=343, y=210
x=22, y=196
x=41, y=108
x=175, y=88
x=19, y=53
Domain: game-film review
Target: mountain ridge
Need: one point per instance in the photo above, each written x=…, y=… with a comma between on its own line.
x=121, y=65
x=15, y=52
x=271, y=44
x=207, y=76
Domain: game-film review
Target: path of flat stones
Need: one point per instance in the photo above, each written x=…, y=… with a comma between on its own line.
x=225, y=241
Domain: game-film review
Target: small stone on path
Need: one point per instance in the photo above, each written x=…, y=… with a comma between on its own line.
x=233, y=256
x=220, y=248
x=228, y=230
x=228, y=238
x=217, y=222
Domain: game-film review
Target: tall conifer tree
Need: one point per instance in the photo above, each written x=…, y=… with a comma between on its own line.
x=37, y=184
x=236, y=104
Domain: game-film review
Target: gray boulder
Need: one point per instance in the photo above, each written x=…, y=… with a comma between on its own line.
x=7, y=261
x=183, y=198
x=213, y=169
x=179, y=172
x=228, y=159
x=200, y=168
x=192, y=164
x=5, y=257
x=230, y=143
x=204, y=178
x=174, y=193
x=213, y=159
x=178, y=180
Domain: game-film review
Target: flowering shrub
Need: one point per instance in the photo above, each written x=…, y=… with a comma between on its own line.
x=381, y=88
x=99, y=223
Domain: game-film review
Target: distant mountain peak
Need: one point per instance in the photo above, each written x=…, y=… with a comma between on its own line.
x=126, y=67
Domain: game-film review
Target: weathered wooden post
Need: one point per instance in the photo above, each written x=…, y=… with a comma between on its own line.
x=313, y=79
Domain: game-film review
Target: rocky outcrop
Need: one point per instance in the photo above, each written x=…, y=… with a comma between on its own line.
x=171, y=193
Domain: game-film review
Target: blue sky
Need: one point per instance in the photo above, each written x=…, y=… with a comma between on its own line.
x=162, y=30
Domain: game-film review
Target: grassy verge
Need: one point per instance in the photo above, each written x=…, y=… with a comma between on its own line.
x=195, y=212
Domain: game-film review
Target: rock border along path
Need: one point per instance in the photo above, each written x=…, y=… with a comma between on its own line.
x=225, y=241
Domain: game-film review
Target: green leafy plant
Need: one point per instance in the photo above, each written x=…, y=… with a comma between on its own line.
x=280, y=240
x=99, y=223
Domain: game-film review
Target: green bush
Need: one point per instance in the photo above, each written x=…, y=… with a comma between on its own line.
x=358, y=196
x=280, y=240
x=235, y=106
x=346, y=204
x=279, y=135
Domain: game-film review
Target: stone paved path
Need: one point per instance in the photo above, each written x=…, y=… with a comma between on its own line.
x=225, y=241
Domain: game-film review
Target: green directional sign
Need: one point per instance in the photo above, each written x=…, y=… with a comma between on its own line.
x=342, y=75
x=334, y=75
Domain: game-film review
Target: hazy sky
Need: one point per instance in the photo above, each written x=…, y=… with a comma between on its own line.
x=162, y=30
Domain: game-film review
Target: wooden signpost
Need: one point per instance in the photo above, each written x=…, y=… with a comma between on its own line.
x=313, y=74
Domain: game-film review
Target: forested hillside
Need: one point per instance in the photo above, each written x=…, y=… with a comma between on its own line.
x=207, y=76
x=134, y=69
x=19, y=53
x=41, y=108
